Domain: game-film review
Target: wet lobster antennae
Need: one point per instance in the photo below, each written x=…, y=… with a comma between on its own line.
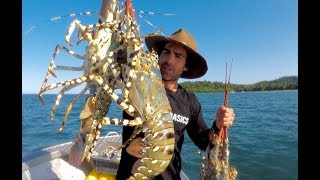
x=217, y=160
x=115, y=59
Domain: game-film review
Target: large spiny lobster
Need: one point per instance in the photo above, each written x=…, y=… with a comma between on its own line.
x=115, y=59
x=217, y=160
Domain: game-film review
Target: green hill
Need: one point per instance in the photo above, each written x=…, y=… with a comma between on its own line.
x=282, y=83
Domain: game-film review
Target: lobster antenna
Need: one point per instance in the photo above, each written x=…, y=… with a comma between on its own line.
x=148, y=22
x=230, y=71
x=60, y=17
x=88, y=13
x=227, y=83
x=226, y=87
x=226, y=74
x=153, y=13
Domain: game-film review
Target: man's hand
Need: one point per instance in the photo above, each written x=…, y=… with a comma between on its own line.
x=224, y=117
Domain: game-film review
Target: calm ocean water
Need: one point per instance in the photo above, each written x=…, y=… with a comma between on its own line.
x=263, y=140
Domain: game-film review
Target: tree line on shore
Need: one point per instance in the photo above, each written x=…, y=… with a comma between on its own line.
x=282, y=83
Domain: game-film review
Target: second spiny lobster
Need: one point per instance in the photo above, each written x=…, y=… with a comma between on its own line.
x=216, y=163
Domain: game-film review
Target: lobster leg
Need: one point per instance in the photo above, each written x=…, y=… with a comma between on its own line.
x=59, y=96
x=52, y=67
x=70, y=107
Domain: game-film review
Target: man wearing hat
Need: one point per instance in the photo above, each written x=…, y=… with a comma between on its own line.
x=178, y=57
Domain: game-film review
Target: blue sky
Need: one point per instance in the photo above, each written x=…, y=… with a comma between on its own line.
x=260, y=35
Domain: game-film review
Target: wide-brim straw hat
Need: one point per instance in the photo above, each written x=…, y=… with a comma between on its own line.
x=196, y=64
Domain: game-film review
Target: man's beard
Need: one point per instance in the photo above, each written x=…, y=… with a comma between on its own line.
x=171, y=77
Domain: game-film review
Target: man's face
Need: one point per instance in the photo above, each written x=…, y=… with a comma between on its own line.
x=172, y=61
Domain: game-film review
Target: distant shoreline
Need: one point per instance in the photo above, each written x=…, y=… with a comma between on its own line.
x=195, y=92
x=283, y=83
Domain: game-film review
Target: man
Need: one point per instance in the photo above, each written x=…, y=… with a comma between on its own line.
x=177, y=58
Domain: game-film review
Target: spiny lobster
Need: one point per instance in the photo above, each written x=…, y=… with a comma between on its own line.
x=115, y=59
x=217, y=160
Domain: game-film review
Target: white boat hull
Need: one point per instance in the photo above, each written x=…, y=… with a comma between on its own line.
x=52, y=162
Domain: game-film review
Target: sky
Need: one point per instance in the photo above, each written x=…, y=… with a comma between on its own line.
x=261, y=36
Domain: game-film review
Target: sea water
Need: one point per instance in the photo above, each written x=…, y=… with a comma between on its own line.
x=263, y=141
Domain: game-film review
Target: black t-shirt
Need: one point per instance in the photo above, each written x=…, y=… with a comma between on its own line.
x=187, y=115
